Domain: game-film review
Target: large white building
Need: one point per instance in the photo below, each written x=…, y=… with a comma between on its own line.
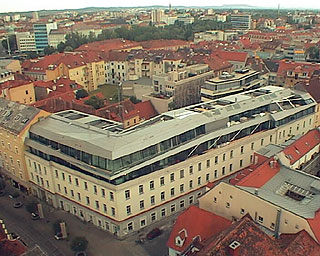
x=123, y=180
x=26, y=41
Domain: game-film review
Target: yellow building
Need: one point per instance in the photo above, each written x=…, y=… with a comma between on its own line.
x=12, y=65
x=15, y=120
x=19, y=91
x=281, y=199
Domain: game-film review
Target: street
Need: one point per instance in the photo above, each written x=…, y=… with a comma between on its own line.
x=101, y=243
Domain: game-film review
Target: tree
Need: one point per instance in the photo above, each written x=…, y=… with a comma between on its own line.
x=82, y=93
x=95, y=102
x=12, y=43
x=79, y=244
x=61, y=46
x=49, y=50
x=68, y=49
x=134, y=100
x=32, y=55
x=32, y=207
x=313, y=53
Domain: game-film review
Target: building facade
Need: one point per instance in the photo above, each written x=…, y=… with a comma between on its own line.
x=122, y=181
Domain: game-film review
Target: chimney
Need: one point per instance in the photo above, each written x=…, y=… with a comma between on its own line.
x=234, y=248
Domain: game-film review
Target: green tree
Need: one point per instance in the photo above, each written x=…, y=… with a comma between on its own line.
x=32, y=207
x=49, y=50
x=12, y=43
x=68, y=49
x=134, y=100
x=79, y=244
x=82, y=93
x=95, y=102
x=61, y=46
x=313, y=53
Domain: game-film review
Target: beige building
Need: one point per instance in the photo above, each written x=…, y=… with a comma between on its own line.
x=279, y=198
x=15, y=121
x=11, y=64
x=6, y=75
x=122, y=181
x=26, y=42
x=19, y=91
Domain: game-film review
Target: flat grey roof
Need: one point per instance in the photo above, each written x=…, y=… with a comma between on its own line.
x=299, y=182
x=114, y=143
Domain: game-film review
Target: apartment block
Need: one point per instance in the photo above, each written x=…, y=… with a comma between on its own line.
x=26, y=41
x=18, y=90
x=231, y=83
x=240, y=21
x=123, y=180
x=15, y=121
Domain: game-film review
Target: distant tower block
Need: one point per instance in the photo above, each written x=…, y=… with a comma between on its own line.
x=169, y=6
x=35, y=16
x=278, y=10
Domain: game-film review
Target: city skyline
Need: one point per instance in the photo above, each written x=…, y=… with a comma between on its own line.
x=22, y=6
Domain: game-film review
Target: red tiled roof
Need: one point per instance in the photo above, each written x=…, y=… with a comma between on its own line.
x=315, y=225
x=12, y=248
x=13, y=83
x=146, y=110
x=260, y=175
x=108, y=45
x=285, y=65
x=159, y=44
x=302, y=146
x=196, y=222
x=231, y=56
x=312, y=87
x=216, y=63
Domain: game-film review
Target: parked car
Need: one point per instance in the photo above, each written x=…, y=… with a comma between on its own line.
x=154, y=233
x=58, y=236
x=17, y=205
x=35, y=216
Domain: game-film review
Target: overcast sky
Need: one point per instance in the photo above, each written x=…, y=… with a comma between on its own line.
x=25, y=5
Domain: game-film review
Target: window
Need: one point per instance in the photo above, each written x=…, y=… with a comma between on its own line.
x=208, y=163
x=272, y=226
x=113, y=211
x=128, y=209
x=111, y=196
x=181, y=188
x=241, y=163
x=190, y=184
x=65, y=190
x=163, y=212
x=141, y=204
x=216, y=160
x=87, y=200
x=297, y=226
x=252, y=146
x=191, y=200
x=162, y=196
x=85, y=185
x=227, y=205
x=95, y=189
x=173, y=208
x=152, y=200
x=262, y=140
x=97, y=205
x=199, y=180
x=130, y=226
x=270, y=138
x=260, y=219
x=241, y=149
x=127, y=194
x=63, y=176
x=199, y=167
x=152, y=185
x=142, y=223
x=214, y=199
x=224, y=157
x=181, y=174
x=191, y=170
x=79, y=196
x=199, y=194
x=242, y=211
x=181, y=204
x=223, y=170
x=230, y=167
x=231, y=154
x=71, y=191
x=172, y=191
x=171, y=177
x=140, y=189
x=103, y=193
x=77, y=182
x=105, y=208
x=161, y=181
x=153, y=216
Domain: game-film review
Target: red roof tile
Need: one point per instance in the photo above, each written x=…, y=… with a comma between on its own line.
x=195, y=222
x=231, y=56
x=302, y=146
x=146, y=110
x=262, y=174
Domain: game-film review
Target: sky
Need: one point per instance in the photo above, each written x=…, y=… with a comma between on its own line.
x=25, y=5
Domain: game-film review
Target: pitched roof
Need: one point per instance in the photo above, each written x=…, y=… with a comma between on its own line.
x=146, y=110
x=261, y=175
x=231, y=56
x=13, y=84
x=196, y=222
x=158, y=44
x=302, y=146
x=312, y=87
